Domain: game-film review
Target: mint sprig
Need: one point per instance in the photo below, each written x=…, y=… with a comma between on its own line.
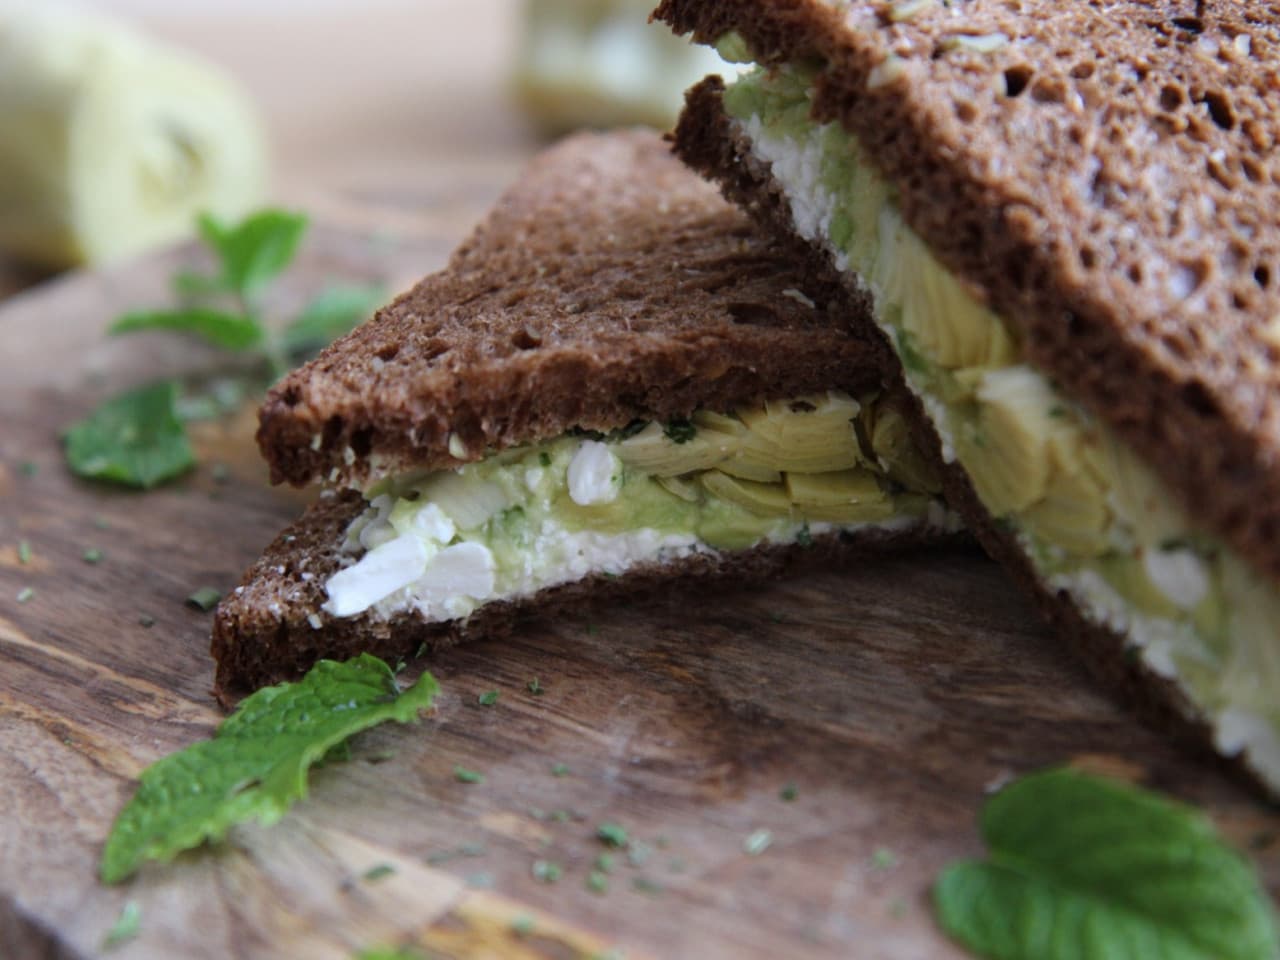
x=223, y=309
x=1082, y=867
x=256, y=765
x=134, y=438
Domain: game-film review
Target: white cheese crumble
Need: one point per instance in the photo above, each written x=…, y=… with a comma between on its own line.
x=593, y=474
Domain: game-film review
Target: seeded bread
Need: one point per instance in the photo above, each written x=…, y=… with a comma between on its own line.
x=1106, y=179
x=609, y=284
x=678, y=302
x=706, y=140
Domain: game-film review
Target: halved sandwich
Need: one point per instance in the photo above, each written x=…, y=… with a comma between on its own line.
x=1064, y=216
x=618, y=380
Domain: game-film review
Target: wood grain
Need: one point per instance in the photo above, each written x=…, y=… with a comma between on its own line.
x=892, y=695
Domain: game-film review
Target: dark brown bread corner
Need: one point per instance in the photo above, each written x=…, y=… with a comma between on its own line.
x=1108, y=180
x=556, y=313
x=704, y=139
x=271, y=627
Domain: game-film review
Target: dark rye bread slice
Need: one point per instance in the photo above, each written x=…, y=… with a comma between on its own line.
x=705, y=139
x=679, y=301
x=1108, y=181
x=262, y=634
x=608, y=284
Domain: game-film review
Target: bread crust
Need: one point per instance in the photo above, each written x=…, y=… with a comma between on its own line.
x=1106, y=180
x=572, y=305
x=705, y=139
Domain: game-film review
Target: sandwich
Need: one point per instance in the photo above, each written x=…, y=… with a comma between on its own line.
x=1063, y=217
x=617, y=382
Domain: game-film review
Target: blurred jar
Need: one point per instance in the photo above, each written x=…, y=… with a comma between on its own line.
x=600, y=63
x=111, y=143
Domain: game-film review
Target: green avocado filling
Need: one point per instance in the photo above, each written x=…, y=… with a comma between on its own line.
x=527, y=518
x=1094, y=520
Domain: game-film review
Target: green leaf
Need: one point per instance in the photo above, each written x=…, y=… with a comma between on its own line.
x=332, y=313
x=256, y=765
x=1082, y=867
x=255, y=250
x=126, y=926
x=135, y=438
x=231, y=331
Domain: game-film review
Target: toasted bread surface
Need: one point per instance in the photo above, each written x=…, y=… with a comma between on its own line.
x=1105, y=176
x=607, y=285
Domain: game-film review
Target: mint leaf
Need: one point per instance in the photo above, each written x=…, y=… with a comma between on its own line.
x=230, y=331
x=332, y=313
x=1083, y=867
x=256, y=765
x=135, y=438
x=255, y=250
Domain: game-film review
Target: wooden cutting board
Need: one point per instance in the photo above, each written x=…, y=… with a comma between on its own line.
x=892, y=695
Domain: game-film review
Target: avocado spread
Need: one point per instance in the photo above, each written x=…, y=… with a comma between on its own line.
x=527, y=518
x=1094, y=520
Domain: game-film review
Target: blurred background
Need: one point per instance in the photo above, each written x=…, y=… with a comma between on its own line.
x=119, y=119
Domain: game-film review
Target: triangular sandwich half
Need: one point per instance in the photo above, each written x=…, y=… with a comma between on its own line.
x=617, y=380
x=1065, y=215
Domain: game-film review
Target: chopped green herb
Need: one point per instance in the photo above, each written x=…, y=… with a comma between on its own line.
x=126, y=926
x=1093, y=867
x=757, y=842
x=422, y=650
x=380, y=756
x=544, y=458
x=522, y=925
x=911, y=356
x=92, y=555
x=463, y=775
x=546, y=871
x=488, y=698
x=884, y=858
x=28, y=468
x=146, y=620
x=597, y=882
x=646, y=885
x=680, y=430
x=535, y=687
x=378, y=872
x=804, y=537
x=604, y=863
x=1057, y=411
x=390, y=953
x=788, y=792
x=24, y=552
x=204, y=598
x=612, y=835
x=101, y=523
x=255, y=766
x=25, y=594
x=559, y=770
x=135, y=439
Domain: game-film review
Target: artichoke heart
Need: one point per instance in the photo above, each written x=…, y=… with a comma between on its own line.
x=809, y=435
x=951, y=327
x=1006, y=449
x=1138, y=499
x=902, y=460
x=1251, y=674
x=1073, y=514
x=850, y=496
x=762, y=499
x=653, y=452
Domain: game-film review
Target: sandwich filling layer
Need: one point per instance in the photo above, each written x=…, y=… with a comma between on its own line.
x=1095, y=522
x=441, y=544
